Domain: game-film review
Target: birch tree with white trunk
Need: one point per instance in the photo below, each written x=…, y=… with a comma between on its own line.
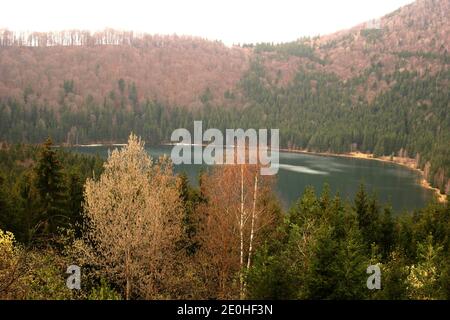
x=235, y=215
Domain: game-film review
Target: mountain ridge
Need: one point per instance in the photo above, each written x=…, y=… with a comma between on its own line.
x=177, y=70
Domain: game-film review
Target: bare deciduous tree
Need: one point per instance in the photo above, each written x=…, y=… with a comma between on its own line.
x=133, y=216
x=236, y=216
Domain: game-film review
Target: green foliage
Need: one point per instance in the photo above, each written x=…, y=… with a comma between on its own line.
x=7, y=217
x=121, y=84
x=386, y=232
x=191, y=198
x=50, y=188
x=367, y=213
x=423, y=279
x=31, y=273
x=41, y=189
x=372, y=35
x=46, y=281
x=133, y=95
x=298, y=48
x=349, y=268
x=68, y=86
x=323, y=253
x=207, y=96
x=104, y=292
x=394, y=276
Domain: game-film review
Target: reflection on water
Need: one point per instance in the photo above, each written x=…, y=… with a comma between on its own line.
x=392, y=183
x=300, y=169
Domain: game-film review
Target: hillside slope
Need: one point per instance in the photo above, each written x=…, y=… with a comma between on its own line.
x=173, y=70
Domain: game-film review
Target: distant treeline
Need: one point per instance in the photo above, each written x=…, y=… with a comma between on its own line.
x=10, y=38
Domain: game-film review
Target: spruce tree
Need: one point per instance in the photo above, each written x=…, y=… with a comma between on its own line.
x=322, y=279
x=190, y=199
x=386, y=232
x=4, y=206
x=74, y=197
x=349, y=267
x=9, y=220
x=394, y=276
x=50, y=187
x=366, y=209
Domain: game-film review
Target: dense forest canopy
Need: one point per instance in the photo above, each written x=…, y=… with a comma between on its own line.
x=381, y=88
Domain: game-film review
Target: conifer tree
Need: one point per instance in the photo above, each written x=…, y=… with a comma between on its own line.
x=350, y=267
x=423, y=277
x=394, y=275
x=50, y=187
x=366, y=209
x=75, y=197
x=190, y=199
x=5, y=218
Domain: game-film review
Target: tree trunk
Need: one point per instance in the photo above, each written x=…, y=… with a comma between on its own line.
x=241, y=234
x=252, y=229
x=127, y=277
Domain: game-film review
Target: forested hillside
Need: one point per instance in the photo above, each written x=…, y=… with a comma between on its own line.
x=380, y=87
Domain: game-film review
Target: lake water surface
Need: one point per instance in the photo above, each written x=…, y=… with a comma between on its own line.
x=392, y=183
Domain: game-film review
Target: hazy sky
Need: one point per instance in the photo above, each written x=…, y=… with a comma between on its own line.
x=232, y=21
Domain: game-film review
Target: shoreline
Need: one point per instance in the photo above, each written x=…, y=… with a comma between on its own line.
x=91, y=145
x=403, y=162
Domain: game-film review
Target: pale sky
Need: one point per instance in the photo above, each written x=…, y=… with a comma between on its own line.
x=232, y=21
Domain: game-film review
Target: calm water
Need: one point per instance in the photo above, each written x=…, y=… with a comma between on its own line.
x=392, y=183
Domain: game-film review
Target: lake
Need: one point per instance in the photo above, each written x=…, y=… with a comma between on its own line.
x=393, y=184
